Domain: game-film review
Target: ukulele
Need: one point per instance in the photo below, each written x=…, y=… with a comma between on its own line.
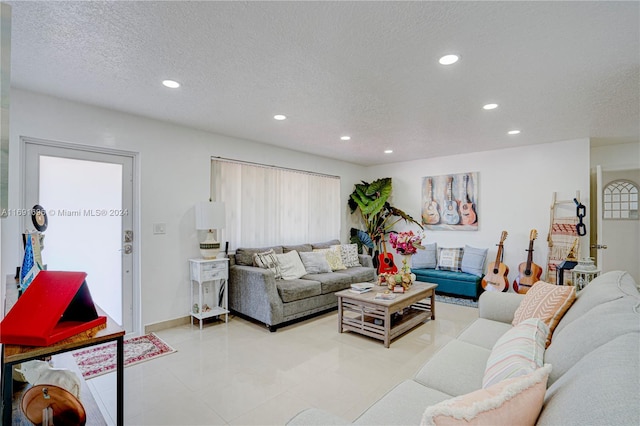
x=496, y=278
x=467, y=210
x=385, y=261
x=450, y=210
x=431, y=215
x=529, y=272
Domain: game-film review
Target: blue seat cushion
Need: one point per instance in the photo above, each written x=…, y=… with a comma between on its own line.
x=451, y=282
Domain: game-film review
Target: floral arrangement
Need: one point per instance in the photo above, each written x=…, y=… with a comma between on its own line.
x=406, y=242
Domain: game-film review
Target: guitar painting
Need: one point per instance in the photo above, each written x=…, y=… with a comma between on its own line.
x=496, y=277
x=467, y=209
x=430, y=214
x=529, y=272
x=385, y=261
x=450, y=202
x=450, y=210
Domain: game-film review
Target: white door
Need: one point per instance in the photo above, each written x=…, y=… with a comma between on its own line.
x=617, y=245
x=88, y=197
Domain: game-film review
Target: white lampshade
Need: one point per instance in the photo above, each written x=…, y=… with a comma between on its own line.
x=210, y=215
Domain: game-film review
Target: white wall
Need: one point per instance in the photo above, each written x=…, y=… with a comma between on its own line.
x=616, y=157
x=514, y=194
x=515, y=186
x=174, y=167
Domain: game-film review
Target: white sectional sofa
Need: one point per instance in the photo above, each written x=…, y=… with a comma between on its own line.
x=594, y=354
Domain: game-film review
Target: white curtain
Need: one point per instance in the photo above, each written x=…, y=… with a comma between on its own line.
x=268, y=206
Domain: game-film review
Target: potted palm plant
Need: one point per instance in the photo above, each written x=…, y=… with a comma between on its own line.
x=377, y=214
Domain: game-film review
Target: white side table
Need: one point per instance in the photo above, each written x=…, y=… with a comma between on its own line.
x=211, y=275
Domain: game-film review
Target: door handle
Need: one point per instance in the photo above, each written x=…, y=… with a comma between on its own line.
x=127, y=249
x=599, y=246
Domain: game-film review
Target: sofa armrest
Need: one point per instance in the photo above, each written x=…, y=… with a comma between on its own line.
x=498, y=306
x=365, y=260
x=253, y=292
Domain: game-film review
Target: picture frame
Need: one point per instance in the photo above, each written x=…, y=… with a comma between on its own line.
x=450, y=202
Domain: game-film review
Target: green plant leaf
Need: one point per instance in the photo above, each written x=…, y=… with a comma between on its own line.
x=397, y=212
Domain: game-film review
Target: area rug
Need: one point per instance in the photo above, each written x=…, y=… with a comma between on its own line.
x=101, y=359
x=456, y=300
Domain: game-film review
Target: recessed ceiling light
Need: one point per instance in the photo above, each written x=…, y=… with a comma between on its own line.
x=513, y=132
x=448, y=59
x=171, y=84
x=280, y=117
x=490, y=106
x=388, y=151
x=345, y=138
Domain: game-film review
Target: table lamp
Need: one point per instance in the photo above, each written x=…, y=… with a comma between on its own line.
x=209, y=216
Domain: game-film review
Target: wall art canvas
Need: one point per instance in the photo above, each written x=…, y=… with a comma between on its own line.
x=450, y=202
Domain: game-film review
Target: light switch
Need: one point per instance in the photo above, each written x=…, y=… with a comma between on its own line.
x=159, y=228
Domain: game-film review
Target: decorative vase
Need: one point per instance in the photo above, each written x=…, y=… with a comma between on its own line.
x=405, y=266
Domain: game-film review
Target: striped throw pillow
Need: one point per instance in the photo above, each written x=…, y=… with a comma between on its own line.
x=268, y=260
x=518, y=352
x=545, y=301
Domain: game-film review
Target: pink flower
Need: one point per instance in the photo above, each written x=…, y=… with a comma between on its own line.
x=406, y=242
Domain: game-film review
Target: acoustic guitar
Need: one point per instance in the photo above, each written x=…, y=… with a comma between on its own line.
x=496, y=278
x=431, y=215
x=385, y=261
x=450, y=210
x=467, y=209
x=529, y=272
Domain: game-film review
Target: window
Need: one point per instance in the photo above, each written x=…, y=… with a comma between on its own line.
x=620, y=200
x=268, y=205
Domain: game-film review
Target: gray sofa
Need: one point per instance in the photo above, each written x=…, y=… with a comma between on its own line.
x=594, y=353
x=255, y=293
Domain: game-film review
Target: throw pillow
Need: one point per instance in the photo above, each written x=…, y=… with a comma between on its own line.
x=516, y=401
x=291, y=266
x=348, y=254
x=517, y=352
x=268, y=260
x=450, y=259
x=473, y=260
x=545, y=301
x=425, y=259
x=314, y=262
x=334, y=259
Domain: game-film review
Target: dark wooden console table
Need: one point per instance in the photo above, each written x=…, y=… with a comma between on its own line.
x=16, y=354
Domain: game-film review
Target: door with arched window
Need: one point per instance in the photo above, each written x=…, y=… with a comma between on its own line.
x=618, y=221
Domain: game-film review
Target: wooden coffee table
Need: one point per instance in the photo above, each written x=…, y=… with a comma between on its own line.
x=359, y=312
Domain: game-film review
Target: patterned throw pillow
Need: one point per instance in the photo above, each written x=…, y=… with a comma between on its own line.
x=348, y=254
x=334, y=259
x=268, y=260
x=545, y=301
x=516, y=401
x=517, y=352
x=450, y=259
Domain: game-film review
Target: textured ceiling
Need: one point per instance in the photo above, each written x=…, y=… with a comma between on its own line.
x=558, y=70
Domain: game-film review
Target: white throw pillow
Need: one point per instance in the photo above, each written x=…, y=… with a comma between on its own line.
x=291, y=266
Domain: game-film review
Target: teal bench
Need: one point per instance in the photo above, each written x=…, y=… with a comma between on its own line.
x=450, y=282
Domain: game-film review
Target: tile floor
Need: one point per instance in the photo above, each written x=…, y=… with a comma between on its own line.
x=241, y=374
